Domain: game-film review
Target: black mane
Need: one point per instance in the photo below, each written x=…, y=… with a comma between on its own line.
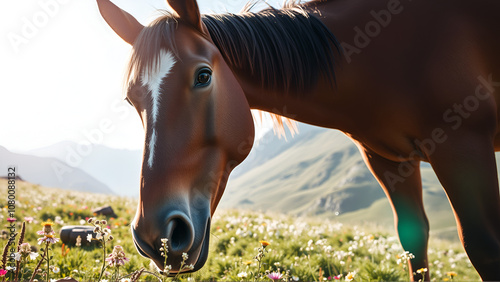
x=285, y=50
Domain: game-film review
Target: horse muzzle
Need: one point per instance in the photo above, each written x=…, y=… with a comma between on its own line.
x=184, y=236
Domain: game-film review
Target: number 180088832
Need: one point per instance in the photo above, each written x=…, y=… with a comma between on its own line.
x=11, y=182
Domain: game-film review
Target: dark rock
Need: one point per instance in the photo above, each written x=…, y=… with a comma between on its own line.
x=69, y=234
x=106, y=211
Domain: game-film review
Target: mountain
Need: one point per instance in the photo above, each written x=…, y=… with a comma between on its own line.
x=321, y=172
x=312, y=173
x=50, y=172
x=117, y=168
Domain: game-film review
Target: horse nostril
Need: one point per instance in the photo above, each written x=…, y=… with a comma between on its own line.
x=180, y=232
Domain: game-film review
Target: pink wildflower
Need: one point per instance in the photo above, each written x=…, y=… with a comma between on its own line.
x=28, y=219
x=48, y=233
x=117, y=257
x=275, y=276
x=48, y=238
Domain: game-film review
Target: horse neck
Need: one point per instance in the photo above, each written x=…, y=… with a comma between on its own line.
x=319, y=106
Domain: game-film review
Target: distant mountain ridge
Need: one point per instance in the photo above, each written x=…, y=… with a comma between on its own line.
x=117, y=168
x=50, y=172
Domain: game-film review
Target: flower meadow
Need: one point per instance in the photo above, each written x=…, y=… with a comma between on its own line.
x=244, y=246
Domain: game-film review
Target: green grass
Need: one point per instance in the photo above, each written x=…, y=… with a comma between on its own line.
x=307, y=249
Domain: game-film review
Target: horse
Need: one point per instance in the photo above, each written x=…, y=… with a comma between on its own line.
x=407, y=81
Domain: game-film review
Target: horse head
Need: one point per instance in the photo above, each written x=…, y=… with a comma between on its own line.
x=198, y=127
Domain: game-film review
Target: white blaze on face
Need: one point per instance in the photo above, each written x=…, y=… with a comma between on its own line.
x=153, y=80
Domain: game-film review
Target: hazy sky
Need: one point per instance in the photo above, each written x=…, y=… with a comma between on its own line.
x=61, y=71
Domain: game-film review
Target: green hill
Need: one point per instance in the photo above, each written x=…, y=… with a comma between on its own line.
x=320, y=172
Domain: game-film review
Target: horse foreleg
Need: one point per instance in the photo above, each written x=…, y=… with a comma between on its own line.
x=403, y=186
x=466, y=168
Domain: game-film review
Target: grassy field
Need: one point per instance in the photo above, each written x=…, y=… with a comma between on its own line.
x=302, y=249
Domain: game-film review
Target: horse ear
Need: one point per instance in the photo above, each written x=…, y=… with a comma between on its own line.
x=123, y=23
x=188, y=11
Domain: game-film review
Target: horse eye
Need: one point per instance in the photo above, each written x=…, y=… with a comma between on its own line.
x=203, y=78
